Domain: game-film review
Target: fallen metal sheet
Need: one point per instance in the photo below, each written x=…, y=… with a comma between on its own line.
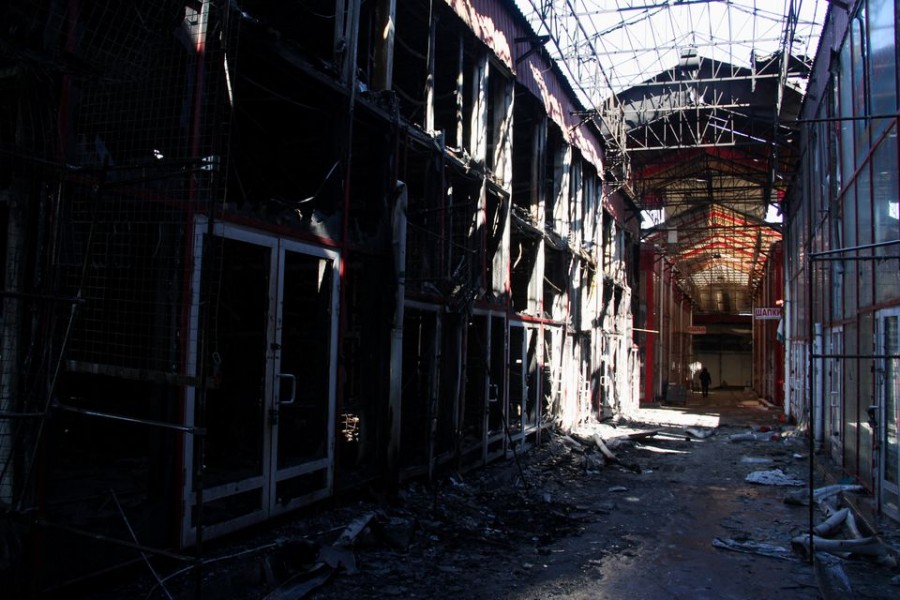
x=338, y=558
x=301, y=584
x=833, y=581
x=773, y=477
x=751, y=547
x=701, y=433
x=349, y=535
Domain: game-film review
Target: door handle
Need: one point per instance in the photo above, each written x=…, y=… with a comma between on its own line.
x=293, y=395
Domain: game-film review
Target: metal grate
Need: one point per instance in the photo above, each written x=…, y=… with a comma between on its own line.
x=139, y=163
x=115, y=121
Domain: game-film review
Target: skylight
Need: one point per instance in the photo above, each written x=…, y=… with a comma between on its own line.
x=606, y=46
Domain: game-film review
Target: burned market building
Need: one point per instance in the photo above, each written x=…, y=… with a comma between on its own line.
x=260, y=254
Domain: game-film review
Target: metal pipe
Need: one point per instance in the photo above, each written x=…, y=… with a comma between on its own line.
x=811, y=415
x=848, y=258
x=834, y=119
x=818, y=426
x=114, y=417
x=788, y=330
x=825, y=253
x=199, y=444
x=863, y=356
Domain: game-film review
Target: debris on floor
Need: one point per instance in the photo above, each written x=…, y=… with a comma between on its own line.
x=773, y=477
x=701, y=433
x=838, y=534
x=753, y=436
x=751, y=547
x=801, y=497
x=833, y=581
x=510, y=523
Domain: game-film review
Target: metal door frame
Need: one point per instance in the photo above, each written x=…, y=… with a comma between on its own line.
x=271, y=475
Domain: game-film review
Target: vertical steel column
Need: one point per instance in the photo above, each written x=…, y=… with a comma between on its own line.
x=818, y=400
x=200, y=405
x=429, y=76
x=386, y=18
x=396, y=359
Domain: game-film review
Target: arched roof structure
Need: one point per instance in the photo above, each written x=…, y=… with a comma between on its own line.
x=697, y=102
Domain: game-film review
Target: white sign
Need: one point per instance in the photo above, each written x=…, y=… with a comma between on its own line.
x=772, y=314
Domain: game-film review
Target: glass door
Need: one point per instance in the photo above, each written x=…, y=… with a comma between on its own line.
x=269, y=410
x=302, y=408
x=888, y=382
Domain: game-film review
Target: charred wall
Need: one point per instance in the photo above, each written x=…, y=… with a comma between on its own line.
x=266, y=256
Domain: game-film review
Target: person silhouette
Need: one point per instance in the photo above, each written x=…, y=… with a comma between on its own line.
x=705, y=378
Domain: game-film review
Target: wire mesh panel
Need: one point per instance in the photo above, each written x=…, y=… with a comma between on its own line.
x=116, y=125
x=142, y=164
x=123, y=258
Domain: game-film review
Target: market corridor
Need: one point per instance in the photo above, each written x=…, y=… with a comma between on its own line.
x=560, y=522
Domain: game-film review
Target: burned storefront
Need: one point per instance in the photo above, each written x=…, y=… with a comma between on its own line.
x=261, y=253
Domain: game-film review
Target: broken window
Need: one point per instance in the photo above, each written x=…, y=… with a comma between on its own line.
x=524, y=249
x=452, y=108
x=531, y=413
x=482, y=425
x=368, y=307
x=451, y=385
x=555, y=170
x=411, y=50
x=497, y=212
x=499, y=122
x=464, y=247
x=497, y=400
x=556, y=281
x=426, y=219
x=591, y=207
x=587, y=298
x=476, y=392
x=613, y=249
x=530, y=128
x=309, y=26
x=551, y=375
x=420, y=372
x=235, y=412
x=288, y=141
x=372, y=186
x=518, y=378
